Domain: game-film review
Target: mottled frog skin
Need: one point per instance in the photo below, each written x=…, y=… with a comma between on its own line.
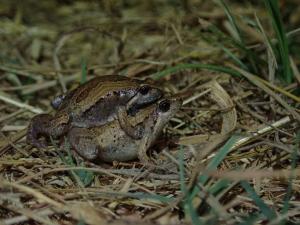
x=94, y=103
x=110, y=143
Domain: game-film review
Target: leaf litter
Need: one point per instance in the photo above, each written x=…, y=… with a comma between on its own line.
x=238, y=128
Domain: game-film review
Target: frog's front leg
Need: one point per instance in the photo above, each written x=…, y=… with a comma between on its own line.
x=84, y=143
x=142, y=152
x=135, y=132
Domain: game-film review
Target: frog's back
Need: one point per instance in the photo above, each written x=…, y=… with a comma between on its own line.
x=88, y=94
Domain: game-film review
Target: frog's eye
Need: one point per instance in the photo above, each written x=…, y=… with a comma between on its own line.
x=164, y=106
x=57, y=101
x=144, y=89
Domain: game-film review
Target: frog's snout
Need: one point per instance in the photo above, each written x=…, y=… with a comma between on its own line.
x=148, y=94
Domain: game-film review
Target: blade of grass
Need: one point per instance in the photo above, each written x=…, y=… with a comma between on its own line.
x=214, y=163
x=253, y=79
x=188, y=205
x=83, y=177
x=269, y=213
x=83, y=70
x=219, y=186
x=219, y=36
x=239, y=35
x=274, y=13
x=234, y=57
x=232, y=21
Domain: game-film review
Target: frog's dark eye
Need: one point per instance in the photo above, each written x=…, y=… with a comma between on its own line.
x=144, y=89
x=57, y=101
x=164, y=106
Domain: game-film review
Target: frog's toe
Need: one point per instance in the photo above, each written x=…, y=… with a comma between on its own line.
x=35, y=142
x=40, y=144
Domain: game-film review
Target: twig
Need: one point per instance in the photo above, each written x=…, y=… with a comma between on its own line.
x=19, y=104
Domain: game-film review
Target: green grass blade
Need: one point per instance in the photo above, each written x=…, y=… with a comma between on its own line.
x=232, y=22
x=82, y=177
x=239, y=36
x=234, y=57
x=273, y=9
x=219, y=186
x=215, y=162
x=269, y=213
x=83, y=71
x=188, y=205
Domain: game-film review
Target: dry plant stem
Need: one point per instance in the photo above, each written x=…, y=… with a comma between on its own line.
x=257, y=134
x=73, y=209
x=164, y=210
x=38, y=195
x=242, y=141
x=194, y=97
x=57, y=65
x=11, y=143
x=246, y=109
x=177, y=34
x=23, y=218
x=219, y=95
x=12, y=115
x=261, y=85
x=133, y=172
x=254, y=173
x=34, y=215
x=97, y=170
x=20, y=72
x=53, y=195
x=19, y=104
x=5, y=143
x=295, y=69
x=48, y=84
x=261, y=132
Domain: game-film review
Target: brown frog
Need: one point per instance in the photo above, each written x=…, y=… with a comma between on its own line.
x=94, y=103
x=111, y=143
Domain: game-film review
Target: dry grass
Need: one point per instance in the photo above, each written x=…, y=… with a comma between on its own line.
x=231, y=152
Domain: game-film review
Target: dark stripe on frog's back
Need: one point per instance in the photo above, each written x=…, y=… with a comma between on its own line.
x=73, y=94
x=96, y=90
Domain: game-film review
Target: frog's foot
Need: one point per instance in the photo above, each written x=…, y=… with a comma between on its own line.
x=38, y=127
x=84, y=143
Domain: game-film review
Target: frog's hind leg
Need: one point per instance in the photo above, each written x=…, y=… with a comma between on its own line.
x=84, y=143
x=135, y=132
x=38, y=127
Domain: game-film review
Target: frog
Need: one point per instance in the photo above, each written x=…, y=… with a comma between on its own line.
x=109, y=142
x=94, y=103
